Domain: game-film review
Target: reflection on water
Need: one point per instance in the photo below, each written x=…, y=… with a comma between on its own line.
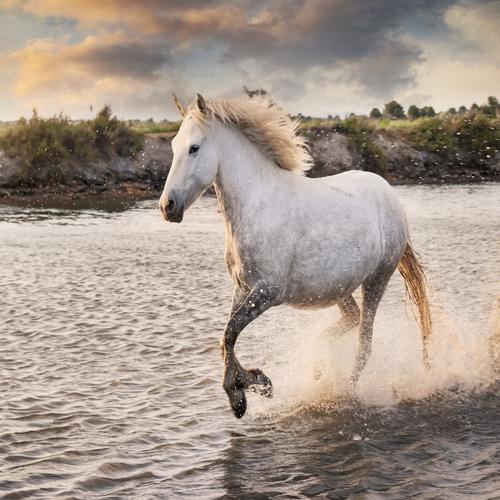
x=111, y=371
x=437, y=445
x=63, y=207
x=68, y=211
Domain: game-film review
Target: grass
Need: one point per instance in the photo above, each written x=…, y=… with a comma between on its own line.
x=152, y=127
x=473, y=133
x=48, y=148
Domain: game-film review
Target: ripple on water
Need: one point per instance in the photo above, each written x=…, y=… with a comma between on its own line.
x=111, y=368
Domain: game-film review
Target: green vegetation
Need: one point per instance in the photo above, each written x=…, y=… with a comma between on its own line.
x=57, y=150
x=432, y=134
x=360, y=132
x=475, y=130
x=151, y=126
x=394, y=111
x=47, y=148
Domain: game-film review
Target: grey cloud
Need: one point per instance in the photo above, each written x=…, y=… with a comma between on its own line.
x=365, y=37
x=390, y=68
x=135, y=60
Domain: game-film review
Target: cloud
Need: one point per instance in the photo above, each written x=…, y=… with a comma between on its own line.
x=390, y=68
x=479, y=24
x=463, y=67
x=54, y=65
x=296, y=34
x=123, y=59
x=312, y=54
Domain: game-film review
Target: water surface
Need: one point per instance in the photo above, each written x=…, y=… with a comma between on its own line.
x=110, y=368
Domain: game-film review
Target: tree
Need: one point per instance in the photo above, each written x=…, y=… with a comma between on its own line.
x=492, y=102
x=452, y=111
x=255, y=92
x=394, y=111
x=491, y=108
x=427, y=111
x=462, y=110
x=375, y=113
x=413, y=112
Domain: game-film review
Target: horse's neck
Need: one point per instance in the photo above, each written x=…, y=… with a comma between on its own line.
x=246, y=179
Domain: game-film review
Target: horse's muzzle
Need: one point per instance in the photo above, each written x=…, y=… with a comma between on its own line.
x=172, y=211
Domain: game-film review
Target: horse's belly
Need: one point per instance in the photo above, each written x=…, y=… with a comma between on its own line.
x=319, y=290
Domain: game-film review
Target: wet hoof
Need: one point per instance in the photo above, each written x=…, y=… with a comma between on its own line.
x=259, y=383
x=238, y=402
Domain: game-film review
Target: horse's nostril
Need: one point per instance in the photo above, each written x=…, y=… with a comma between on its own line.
x=170, y=205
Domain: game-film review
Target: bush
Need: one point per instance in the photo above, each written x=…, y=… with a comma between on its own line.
x=478, y=134
x=432, y=134
x=360, y=132
x=47, y=148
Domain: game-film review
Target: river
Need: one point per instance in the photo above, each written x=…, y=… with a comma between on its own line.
x=111, y=372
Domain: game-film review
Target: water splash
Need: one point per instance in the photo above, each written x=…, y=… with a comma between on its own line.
x=309, y=367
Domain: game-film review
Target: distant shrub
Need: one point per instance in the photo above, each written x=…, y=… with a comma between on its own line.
x=478, y=134
x=152, y=127
x=432, y=134
x=308, y=122
x=48, y=147
x=360, y=133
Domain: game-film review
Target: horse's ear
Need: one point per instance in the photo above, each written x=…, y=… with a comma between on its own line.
x=200, y=103
x=180, y=105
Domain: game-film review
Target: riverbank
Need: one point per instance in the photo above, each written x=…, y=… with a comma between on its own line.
x=334, y=150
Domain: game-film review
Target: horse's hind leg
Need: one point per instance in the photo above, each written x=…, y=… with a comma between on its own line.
x=372, y=290
x=350, y=316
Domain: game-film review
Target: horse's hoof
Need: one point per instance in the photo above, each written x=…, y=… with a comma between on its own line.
x=238, y=402
x=260, y=383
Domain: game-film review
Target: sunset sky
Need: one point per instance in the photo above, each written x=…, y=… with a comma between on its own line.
x=317, y=57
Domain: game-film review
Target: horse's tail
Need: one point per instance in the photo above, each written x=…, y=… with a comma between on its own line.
x=415, y=280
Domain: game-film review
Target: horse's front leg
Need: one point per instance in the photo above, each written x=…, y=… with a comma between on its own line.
x=246, y=307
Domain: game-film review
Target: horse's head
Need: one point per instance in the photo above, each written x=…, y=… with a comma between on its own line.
x=194, y=165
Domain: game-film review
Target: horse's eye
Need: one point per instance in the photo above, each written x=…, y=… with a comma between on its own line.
x=193, y=149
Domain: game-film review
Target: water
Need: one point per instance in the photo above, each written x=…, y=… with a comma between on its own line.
x=110, y=368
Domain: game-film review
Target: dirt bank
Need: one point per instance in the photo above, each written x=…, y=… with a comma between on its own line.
x=396, y=160
x=333, y=152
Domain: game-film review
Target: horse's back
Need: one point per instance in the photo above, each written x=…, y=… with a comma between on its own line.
x=356, y=180
x=358, y=226
x=367, y=190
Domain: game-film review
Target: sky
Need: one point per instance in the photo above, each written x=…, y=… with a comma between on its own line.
x=316, y=57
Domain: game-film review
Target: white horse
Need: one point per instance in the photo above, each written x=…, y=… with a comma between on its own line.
x=290, y=239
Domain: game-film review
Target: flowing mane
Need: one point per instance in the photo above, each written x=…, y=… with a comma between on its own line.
x=266, y=126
